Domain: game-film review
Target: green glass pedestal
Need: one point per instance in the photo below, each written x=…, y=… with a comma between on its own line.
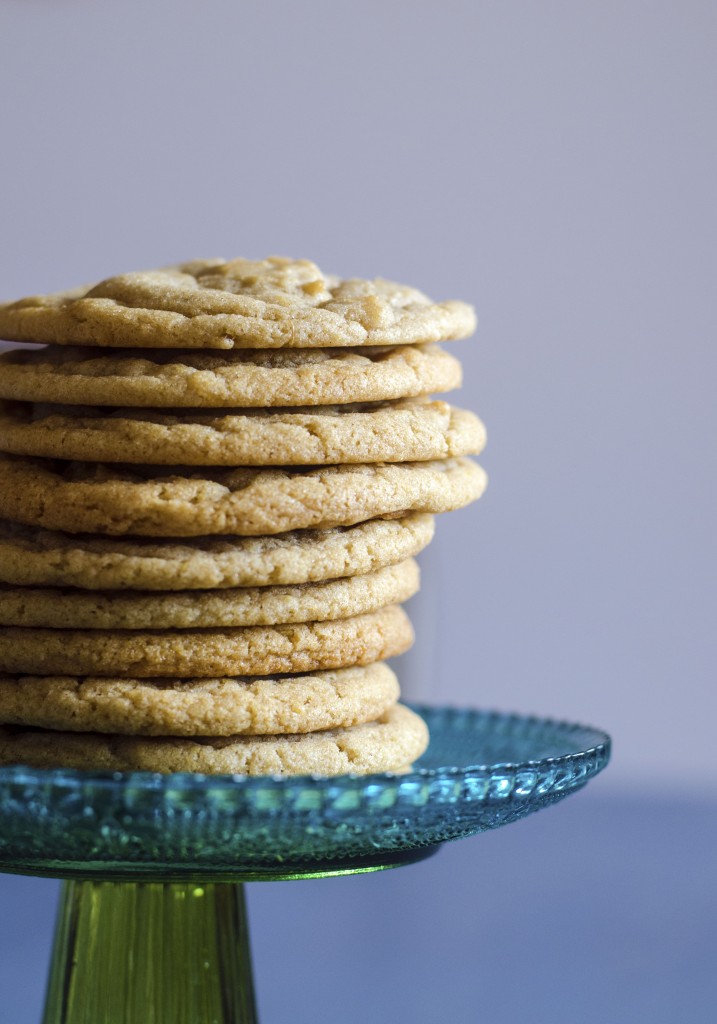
x=151, y=953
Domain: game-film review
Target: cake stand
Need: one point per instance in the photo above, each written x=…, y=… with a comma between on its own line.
x=152, y=927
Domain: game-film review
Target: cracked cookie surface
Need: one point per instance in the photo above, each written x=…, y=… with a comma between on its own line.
x=271, y=303
x=83, y=497
x=410, y=430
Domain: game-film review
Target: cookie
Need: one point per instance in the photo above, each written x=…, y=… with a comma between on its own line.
x=80, y=497
x=410, y=430
x=240, y=378
x=31, y=556
x=254, y=650
x=250, y=606
x=200, y=707
x=388, y=744
x=272, y=303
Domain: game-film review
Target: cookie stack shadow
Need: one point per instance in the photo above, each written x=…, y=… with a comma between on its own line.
x=213, y=484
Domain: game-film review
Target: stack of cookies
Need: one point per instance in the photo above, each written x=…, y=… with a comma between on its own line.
x=213, y=482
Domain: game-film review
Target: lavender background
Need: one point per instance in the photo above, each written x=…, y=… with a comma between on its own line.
x=552, y=162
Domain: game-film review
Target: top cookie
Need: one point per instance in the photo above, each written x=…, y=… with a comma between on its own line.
x=272, y=303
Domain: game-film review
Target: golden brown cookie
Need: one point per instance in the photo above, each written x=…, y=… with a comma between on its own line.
x=249, y=606
x=81, y=497
x=239, y=378
x=272, y=303
x=390, y=743
x=252, y=651
x=31, y=556
x=410, y=430
x=200, y=707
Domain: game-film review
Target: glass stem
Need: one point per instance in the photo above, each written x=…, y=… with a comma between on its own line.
x=151, y=953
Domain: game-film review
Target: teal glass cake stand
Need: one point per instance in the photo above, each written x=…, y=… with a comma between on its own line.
x=152, y=926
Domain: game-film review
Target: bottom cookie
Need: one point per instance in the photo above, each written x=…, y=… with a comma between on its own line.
x=390, y=743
